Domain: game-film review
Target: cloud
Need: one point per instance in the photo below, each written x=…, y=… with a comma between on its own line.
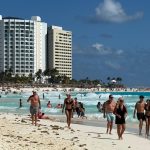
x=113, y=65
x=103, y=50
x=119, y=52
x=112, y=11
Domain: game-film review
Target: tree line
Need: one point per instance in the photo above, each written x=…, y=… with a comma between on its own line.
x=52, y=76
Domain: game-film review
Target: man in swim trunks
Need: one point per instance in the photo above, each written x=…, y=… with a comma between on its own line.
x=108, y=109
x=34, y=107
x=139, y=108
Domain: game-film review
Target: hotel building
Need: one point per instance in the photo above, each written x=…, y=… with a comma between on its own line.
x=59, y=52
x=22, y=45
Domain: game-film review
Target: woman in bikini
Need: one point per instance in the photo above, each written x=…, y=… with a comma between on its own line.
x=147, y=116
x=68, y=105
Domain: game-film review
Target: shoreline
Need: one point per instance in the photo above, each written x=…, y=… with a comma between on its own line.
x=130, y=126
x=71, y=89
x=18, y=133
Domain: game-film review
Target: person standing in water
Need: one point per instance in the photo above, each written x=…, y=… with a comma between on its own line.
x=43, y=96
x=68, y=105
x=139, y=108
x=34, y=107
x=20, y=103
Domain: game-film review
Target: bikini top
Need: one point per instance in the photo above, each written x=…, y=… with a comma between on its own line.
x=69, y=101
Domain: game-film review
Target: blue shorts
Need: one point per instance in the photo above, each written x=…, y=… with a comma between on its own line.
x=34, y=110
x=110, y=117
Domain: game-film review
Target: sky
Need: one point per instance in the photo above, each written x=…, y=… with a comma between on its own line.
x=111, y=38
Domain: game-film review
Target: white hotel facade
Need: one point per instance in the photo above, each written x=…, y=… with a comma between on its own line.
x=22, y=45
x=59, y=52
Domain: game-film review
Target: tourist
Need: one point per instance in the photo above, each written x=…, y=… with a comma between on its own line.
x=78, y=109
x=120, y=112
x=42, y=115
x=76, y=106
x=139, y=108
x=20, y=103
x=108, y=109
x=43, y=96
x=99, y=106
x=68, y=105
x=58, y=106
x=82, y=112
x=34, y=107
x=49, y=105
x=147, y=116
x=59, y=96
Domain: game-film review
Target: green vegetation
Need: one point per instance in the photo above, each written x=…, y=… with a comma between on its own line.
x=51, y=77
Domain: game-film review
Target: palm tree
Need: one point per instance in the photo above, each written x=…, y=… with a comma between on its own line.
x=65, y=80
x=38, y=74
x=47, y=72
x=119, y=79
x=54, y=73
x=108, y=78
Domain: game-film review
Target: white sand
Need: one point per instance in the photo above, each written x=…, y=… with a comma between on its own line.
x=16, y=132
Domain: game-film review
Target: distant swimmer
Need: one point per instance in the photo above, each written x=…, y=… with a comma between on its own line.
x=59, y=105
x=49, y=105
x=59, y=96
x=43, y=96
x=20, y=103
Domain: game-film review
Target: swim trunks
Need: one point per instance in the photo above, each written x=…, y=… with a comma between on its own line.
x=34, y=110
x=140, y=116
x=110, y=117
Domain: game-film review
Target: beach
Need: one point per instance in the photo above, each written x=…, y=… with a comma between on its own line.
x=17, y=132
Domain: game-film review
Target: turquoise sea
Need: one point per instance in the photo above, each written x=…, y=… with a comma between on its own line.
x=9, y=102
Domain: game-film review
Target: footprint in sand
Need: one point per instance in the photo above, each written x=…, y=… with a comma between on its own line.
x=81, y=145
x=98, y=135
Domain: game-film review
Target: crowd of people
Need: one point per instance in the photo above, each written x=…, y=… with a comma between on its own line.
x=118, y=111
x=111, y=109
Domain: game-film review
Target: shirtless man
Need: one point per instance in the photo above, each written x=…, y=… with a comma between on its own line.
x=139, y=108
x=34, y=107
x=108, y=109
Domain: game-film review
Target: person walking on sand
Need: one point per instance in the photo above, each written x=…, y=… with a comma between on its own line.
x=108, y=109
x=34, y=107
x=139, y=108
x=147, y=116
x=120, y=112
x=68, y=105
